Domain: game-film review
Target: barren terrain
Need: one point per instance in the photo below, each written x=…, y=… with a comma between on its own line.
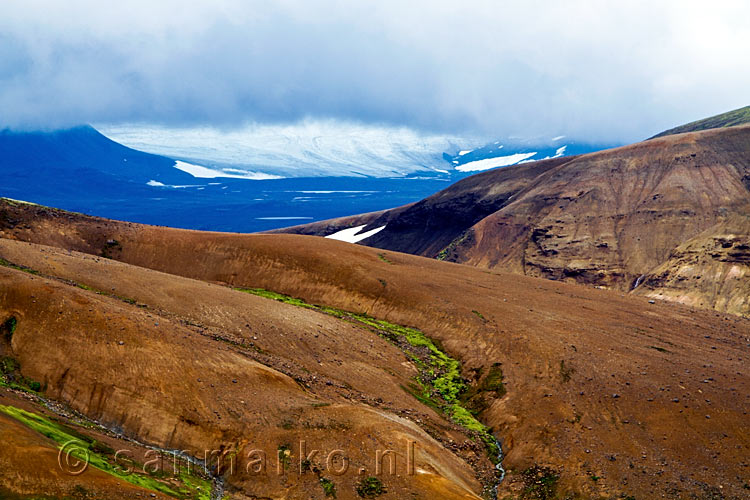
x=603, y=394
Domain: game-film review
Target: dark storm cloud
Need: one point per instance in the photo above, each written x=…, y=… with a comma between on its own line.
x=598, y=70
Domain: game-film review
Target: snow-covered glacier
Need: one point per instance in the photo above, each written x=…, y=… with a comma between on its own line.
x=334, y=149
x=306, y=149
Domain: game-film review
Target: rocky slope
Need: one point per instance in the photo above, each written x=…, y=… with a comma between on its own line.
x=590, y=391
x=606, y=219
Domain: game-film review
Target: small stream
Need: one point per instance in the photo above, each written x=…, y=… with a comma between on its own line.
x=217, y=482
x=499, y=467
x=638, y=281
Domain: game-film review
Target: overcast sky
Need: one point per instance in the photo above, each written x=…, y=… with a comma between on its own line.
x=597, y=70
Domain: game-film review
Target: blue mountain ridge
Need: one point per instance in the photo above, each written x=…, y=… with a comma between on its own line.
x=79, y=169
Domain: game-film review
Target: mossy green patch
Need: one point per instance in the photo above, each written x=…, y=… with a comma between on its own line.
x=445, y=252
x=329, y=487
x=10, y=376
x=383, y=257
x=85, y=448
x=17, y=267
x=370, y=487
x=439, y=384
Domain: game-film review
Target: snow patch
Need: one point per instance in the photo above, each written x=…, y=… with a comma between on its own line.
x=282, y=218
x=465, y=152
x=330, y=192
x=202, y=172
x=499, y=161
x=155, y=183
x=353, y=235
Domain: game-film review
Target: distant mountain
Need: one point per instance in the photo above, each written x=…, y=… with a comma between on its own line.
x=665, y=218
x=337, y=149
x=80, y=169
x=729, y=119
x=314, y=149
x=81, y=155
x=506, y=153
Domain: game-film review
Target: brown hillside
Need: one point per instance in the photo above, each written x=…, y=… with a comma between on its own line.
x=606, y=218
x=599, y=384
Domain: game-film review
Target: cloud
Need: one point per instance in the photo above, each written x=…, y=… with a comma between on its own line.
x=586, y=69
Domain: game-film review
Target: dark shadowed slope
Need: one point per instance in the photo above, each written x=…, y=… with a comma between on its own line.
x=609, y=218
x=429, y=226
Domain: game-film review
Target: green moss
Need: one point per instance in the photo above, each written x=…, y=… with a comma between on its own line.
x=382, y=257
x=88, y=449
x=277, y=296
x=329, y=487
x=17, y=267
x=370, y=487
x=439, y=384
x=445, y=252
x=8, y=365
x=284, y=452
x=10, y=376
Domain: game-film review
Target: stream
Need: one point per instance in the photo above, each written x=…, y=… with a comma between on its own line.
x=638, y=281
x=217, y=482
x=499, y=467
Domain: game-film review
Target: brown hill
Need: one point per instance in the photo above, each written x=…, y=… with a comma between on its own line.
x=598, y=387
x=608, y=219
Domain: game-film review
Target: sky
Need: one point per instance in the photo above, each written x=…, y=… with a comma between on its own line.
x=613, y=71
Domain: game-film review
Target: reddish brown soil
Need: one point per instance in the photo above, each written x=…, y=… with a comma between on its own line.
x=612, y=218
x=591, y=375
x=29, y=465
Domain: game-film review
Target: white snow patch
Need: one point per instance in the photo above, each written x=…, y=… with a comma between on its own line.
x=560, y=151
x=352, y=235
x=282, y=218
x=465, y=152
x=154, y=183
x=209, y=173
x=330, y=192
x=499, y=161
x=558, y=138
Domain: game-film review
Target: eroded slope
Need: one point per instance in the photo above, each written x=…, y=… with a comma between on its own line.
x=595, y=383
